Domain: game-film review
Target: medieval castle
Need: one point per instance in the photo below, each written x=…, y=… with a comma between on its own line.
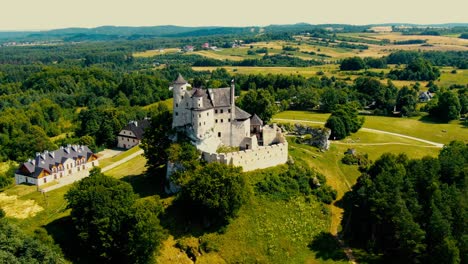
x=210, y=118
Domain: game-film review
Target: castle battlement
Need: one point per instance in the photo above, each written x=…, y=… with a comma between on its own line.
x=252, y=159
x=211, y=119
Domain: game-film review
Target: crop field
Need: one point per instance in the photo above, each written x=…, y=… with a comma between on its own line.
x=304, y=71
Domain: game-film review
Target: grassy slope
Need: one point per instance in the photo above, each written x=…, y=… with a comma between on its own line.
x=416, y=127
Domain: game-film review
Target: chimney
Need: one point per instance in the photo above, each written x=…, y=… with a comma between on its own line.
x=233, y=89
x=136, y=123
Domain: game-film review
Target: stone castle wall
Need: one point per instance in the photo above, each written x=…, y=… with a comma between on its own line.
x=252, y=159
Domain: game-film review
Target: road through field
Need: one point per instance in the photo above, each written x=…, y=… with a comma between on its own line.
x=439, y=145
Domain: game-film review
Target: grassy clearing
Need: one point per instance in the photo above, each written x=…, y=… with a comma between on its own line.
x=304, y=71
x=105, y=162
x=447, y=78
x=53, y=204
x=156, y=52
x=420, y=127
x=167, y=102
x=135, y=166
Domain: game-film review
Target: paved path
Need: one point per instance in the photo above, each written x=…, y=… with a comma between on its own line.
x=77, y=177
x=439, y=145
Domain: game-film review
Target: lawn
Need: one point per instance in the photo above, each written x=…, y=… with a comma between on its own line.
x=106, y=162
x=167, y=102
x=420, y=127
x=52, y=202
x=135, y=166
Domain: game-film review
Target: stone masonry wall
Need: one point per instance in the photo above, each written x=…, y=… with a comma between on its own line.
x=260, y=158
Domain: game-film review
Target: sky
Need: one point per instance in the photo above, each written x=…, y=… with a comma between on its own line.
x=51, y=14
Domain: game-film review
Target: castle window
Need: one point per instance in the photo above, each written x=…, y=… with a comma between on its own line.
x=176, y=105
x=182, y=97
x=186, y=104
x=176, y=113
x=199, y=124
x=221, y=111
x=219, y=134
x=216, y=120
x=204, y=123
x=207, y=114
x=216, y=111
x=198, y=105
x=229, y=119
x=229, y=110
x=199, y=115
x=221, y=120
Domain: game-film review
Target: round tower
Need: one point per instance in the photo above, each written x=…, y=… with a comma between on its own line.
x=179, y=93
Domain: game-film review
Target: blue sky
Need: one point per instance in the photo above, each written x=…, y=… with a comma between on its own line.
x=49, y=14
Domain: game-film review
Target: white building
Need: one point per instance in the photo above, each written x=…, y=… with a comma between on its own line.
x=211, y=119
x=132, y=134
x=48, y=166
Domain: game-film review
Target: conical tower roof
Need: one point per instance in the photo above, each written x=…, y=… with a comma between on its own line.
x=180, y=80
x=255, y=120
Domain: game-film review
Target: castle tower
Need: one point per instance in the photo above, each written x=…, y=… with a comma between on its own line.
x=181, y=114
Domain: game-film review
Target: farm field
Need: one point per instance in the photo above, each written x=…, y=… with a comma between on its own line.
x=419, y=127
x=151, y=53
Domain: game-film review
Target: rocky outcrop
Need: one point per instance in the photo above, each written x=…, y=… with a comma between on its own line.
x=314, y=136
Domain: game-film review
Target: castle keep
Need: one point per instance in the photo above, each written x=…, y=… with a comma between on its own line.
x=210, y=118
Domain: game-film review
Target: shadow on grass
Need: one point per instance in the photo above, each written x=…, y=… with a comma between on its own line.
x=144, y=185
x=64, y=234
x=326, y=246
x=182, y=220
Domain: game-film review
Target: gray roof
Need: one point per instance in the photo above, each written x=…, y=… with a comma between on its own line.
x=256, y=121
x=137, y=127
x=220, y=96
x=180, y=80
x=45, y=161
x=241, y=114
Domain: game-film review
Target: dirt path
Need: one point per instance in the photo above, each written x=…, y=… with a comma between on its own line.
x=439, y=145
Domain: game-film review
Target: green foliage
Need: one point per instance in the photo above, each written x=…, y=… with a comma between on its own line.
x=448, y=107
x=296, y=181
x=343, y=121
x=352, y=64
x=111, y=223
x=259, y=102
x=156, y=139
x=406, y=101
x=214, y=191
x=19, y=247
x=411, y=210
x=417, y=70
x=327, y=247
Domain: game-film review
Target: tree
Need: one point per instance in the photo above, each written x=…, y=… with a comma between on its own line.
x=352, y=64
x=406, y=101
x=19, y=247
x=259, y=102
x=418, y=69
x=215, y=191
x=110, y=222
x=344, y=120
x=156, y=139
x=448, y=107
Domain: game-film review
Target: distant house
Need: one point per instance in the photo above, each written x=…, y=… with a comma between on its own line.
x=72, y=160
x=425, y=96
x=132, y=134
x=189, y=48
x=206, y=45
